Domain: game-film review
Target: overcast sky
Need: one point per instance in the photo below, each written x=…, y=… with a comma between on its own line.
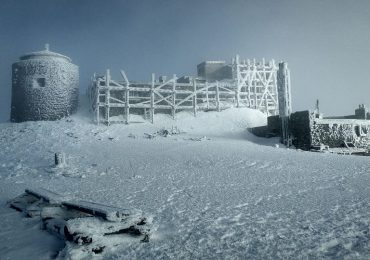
x=326, y=43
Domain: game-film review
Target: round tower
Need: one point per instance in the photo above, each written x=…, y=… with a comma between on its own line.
x=44, y=87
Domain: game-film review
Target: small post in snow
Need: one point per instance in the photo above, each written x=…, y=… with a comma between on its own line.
x=60, y=159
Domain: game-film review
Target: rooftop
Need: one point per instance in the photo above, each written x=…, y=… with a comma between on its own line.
x=43, y=54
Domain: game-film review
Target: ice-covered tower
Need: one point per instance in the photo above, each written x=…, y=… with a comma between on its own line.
x=285, y=101
x=44, y=87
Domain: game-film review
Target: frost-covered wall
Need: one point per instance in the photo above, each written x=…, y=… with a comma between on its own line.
x=44, y=87
x=333, y=132
x=308, y=129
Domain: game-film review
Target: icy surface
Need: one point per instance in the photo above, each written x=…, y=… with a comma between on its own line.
x=214, y=190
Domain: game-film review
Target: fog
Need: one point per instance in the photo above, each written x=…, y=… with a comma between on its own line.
x=326, y=43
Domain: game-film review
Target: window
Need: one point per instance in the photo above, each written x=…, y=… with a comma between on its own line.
x=358, y=130
x=38, y=83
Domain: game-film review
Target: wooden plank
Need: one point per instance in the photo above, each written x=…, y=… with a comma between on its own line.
x=106, y=212
x=162, y=98
x=117, y=85
x=141, y=105
x=125, y=78
x=46, y=195
x=115, y=88
x=119, y=101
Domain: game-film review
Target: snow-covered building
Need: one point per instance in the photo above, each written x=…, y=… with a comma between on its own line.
x=310, y=129
x=44, y=87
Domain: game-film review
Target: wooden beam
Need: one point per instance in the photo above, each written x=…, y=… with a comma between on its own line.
x=207, y=96
x=97, y=101
x=195, y=98
x=127, y=104
x=152, y=99
x=107, y=96
x=217, y=98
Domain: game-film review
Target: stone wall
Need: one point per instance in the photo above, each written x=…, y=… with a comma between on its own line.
x=334, y=132
x=307, y=129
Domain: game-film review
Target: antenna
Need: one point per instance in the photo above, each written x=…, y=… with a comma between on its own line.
x=317, y=108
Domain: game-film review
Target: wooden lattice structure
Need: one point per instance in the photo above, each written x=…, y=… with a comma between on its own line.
x=254, y=85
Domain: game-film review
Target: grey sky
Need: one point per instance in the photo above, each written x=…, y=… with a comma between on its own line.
x=326, y=43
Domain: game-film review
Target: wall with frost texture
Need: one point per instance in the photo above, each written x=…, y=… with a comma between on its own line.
x=44, y=88
x=334, y=133
x=307, y=130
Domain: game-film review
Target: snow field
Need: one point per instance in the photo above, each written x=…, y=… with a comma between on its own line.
x=228, y=196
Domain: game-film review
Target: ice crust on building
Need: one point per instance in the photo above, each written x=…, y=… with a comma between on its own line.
x=44, y=87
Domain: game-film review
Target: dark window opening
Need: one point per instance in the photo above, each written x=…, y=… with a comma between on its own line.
x=357, y=130
x=350, y=145
x=39, y=83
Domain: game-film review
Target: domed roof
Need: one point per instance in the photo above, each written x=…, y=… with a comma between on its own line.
x=44, y=54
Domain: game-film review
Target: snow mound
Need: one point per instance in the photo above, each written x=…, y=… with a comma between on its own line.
x=231, y=121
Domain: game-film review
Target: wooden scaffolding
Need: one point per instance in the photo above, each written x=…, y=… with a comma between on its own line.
x=257, y=84
x=253, y=85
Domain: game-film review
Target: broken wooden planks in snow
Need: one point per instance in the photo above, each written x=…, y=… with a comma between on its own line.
x=96, y=227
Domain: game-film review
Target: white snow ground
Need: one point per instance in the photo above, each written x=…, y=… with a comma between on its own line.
x=215, y=192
